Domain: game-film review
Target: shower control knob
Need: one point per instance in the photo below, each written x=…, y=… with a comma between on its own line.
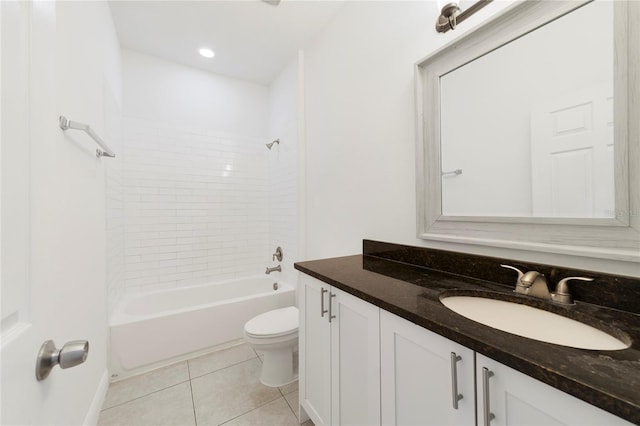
x=72, y=353
x=277, y=254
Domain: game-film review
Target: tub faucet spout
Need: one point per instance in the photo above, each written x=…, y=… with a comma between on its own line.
x=274, y=269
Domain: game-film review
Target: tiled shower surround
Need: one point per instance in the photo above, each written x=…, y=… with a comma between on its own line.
x=195, y=205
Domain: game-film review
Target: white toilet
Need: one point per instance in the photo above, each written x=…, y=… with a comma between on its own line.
x=275, y=334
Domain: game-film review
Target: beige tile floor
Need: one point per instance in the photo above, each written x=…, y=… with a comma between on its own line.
x=218, y=388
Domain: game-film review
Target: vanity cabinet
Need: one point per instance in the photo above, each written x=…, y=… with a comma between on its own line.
x=361, y=365
x=507, y=397
x=339, y=339
x=419, y=379
x=426, y=378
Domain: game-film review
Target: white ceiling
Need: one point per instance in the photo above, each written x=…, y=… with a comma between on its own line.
x=252, y=40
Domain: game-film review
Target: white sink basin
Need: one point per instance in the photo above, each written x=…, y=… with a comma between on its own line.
x=533, y=323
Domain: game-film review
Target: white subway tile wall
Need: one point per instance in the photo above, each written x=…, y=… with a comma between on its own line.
x=196, y=206
x=115, y=233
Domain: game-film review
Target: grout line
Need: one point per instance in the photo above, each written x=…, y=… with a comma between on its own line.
x=193, y=403
x=291, y=408
x=254, y=409
x=145, y=395
x=223, y=368
x=258, y=355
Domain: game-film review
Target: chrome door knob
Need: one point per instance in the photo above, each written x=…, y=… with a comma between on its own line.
x=71, y=354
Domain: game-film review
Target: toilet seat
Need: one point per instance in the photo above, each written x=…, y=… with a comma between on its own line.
x=277, y=323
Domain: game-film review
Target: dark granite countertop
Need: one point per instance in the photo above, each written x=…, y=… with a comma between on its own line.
x=607, y=379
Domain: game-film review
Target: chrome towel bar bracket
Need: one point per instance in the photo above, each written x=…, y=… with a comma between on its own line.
x=455, y=172
x=66, y=124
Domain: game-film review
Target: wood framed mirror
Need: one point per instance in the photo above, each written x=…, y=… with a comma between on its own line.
x=528, y=132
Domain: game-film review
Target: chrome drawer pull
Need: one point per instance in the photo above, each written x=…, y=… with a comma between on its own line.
x=331, y=316
x=488, y=415
x=322, y=309
x=455, y=396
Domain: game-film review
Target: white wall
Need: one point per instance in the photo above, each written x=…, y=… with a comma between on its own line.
x=114, y=197
x=195, y=175
x=75, y=72
x=174, y=94
x=360, y=131
x=283, y=168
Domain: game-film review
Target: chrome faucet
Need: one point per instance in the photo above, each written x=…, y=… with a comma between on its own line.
x=274, y=269
x=534, y=284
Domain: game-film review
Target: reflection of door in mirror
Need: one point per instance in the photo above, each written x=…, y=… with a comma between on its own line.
x=486, y=108
x=572, y=155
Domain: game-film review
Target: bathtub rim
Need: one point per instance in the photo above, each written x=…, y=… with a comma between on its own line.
x=119, y=317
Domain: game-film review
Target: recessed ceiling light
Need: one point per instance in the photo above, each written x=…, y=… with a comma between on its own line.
x=207, y=53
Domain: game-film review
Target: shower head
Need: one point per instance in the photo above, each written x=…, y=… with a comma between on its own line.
x=270, y=145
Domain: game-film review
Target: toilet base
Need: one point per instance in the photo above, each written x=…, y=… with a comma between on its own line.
x=278, y=367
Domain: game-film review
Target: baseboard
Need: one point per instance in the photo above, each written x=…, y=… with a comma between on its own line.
x=91, y=419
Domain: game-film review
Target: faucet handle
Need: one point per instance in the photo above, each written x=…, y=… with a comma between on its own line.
x=520, y=287
x=520, y=273
x=277, y=255
x=562, y=295
x=564, y=280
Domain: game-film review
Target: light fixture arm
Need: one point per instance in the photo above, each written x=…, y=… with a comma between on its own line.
x=451, y=16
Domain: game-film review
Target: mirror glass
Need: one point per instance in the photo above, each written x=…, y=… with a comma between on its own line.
x=527, y=129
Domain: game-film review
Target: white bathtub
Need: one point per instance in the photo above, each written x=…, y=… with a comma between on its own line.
x=152, y=329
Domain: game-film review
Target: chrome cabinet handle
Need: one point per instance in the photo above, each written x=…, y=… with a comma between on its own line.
x=455, y=396
x=486, y=402
x=322, y=309
x=331, y=316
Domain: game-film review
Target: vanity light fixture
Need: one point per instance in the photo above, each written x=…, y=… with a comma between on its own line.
x=207, y=53
x=451, y=14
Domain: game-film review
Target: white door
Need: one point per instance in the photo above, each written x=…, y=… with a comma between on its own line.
x=52, y=235
x=417, y=376
x=572, y=155
x=355, y=360
x=315, y=350
x=517, y=399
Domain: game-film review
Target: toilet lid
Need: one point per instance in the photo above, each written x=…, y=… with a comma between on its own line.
x=273, y=323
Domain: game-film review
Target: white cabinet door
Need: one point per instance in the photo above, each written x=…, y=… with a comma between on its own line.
x=513, y=398
x=355, y=360
x=315, y=350
x=417, y=380
x=339, y=356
